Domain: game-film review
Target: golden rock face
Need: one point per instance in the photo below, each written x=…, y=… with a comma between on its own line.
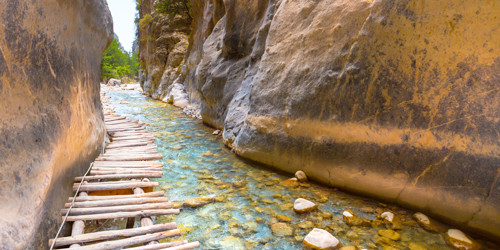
x=393, y=99
x=51, y=125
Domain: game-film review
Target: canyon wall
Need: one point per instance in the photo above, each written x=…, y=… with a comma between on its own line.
x=51, y=124
x=398, y=100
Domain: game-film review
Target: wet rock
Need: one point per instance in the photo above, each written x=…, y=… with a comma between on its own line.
x=306, y=224
x=208, y=153
x=303, y=206
x=231, y=242
x=239, y=184
x=428, y=224
x=348, y=248
x=281, y=229
x=320, y=239
x=216, y=132
x=352, y=220
x=367, y=210
x=298, y=238
x=198, y=202
x=291, y=183
x=459, y=240
x=352, y=235
x=416, y=246
x=301, y=176
x=284, y=218
x=392, y=221
x=388, y=233
x=376, y=223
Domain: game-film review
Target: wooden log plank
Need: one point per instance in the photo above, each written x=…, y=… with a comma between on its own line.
x=154, y=168
x=132, y=240
x=112, y=234
x=125, y=129
x=143, y=213
x=110, y=119
x=134, y=133
x=129, y=154
x=131, y=158
x=128, y=163
x=101, y=187
x=126, y=144
x=127, y=138
x=120, y=176
x=117, y=202
x=78, y=227
x=97, y=173
x=114, y=197
x=112, y=209
x=120, y=122
x=160, y=245
x=191, y=245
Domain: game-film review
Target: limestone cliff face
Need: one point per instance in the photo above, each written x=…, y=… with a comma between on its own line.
x=394, y=99
x=163, y=42
x=51, y=124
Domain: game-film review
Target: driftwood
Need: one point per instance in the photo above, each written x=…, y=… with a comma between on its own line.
x=120, y=176
x=142, y=213
x=106, y=235
x=114, y=186
x=126, y=208
x=113, y=197
x=117, y=202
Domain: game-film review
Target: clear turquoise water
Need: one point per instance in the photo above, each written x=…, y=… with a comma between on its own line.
x=242, y=217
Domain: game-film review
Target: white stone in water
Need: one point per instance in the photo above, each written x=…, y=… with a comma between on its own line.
x=302, y=205
x=320, y=239
x=458, y=235
x=347, y=214
x=422, y=218
x=388, y=216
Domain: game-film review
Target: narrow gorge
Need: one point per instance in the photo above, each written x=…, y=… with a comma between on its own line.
x=397, y=100
x=272, y=124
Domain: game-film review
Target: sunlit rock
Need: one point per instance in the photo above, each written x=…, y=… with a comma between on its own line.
x=303, y=206
x=353, y=220
x=291, y=183
x=428, y=224
x=281, y=229
x=388, y=233
x=391, y=220
x=320, y=239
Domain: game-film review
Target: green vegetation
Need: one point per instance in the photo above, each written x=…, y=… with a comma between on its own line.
x=116, y=63
x=174, y=7
x=145, y=21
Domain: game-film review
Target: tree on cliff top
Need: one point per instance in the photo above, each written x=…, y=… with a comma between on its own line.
x=174, y=7
x=117, y=63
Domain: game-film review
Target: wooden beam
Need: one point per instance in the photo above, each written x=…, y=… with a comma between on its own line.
x=128, y=163
x=117, y=202
x=105, y=216
x=131, y=158
x=114, y=186
x=126, y=144
x=114, y=197
x=160, y=245
x=112, y=234
x=126, y=208
x=132, y=171
x=127, y=169
x=133, y=240
x=120, y=176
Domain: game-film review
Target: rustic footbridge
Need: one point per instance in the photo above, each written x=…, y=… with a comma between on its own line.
x=117, y=186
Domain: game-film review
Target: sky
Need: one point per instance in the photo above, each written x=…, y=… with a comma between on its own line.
x=123, y=12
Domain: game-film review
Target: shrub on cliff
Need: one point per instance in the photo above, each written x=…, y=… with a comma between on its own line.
x=174, y=7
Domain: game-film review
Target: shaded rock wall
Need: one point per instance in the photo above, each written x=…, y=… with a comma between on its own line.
x=398, y=100
x=51, y=124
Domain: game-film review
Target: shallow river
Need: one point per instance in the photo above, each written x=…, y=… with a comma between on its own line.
x=197, y=164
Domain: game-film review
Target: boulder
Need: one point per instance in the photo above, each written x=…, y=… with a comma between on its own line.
x=320, y=239
x=114, y=82
x=392, y=221
x=301, y=176
x=51, y=125
x=303, y=206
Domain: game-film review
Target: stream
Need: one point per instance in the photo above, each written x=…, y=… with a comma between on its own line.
x=248, y=197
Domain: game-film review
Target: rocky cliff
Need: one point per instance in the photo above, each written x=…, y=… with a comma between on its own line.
x=51, y=124
x=398, y=100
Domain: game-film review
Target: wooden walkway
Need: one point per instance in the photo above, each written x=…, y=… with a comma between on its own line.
x=117, y=186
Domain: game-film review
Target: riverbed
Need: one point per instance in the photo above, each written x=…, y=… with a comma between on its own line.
x=249, y=198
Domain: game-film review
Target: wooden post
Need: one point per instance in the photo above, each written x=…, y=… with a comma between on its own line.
x=78, y=226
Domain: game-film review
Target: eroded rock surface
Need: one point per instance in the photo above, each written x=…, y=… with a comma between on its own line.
x=51, y=124
x=393, y=99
